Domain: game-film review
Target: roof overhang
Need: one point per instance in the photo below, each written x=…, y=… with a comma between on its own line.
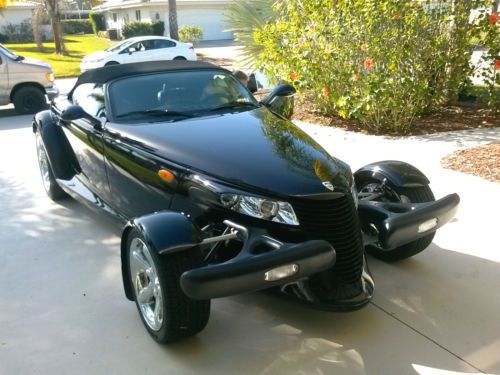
x=159, y=3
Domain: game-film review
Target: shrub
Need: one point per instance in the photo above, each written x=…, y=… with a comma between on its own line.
x=137, y=28
x=158, y=28
x=3, y=38
x=77, y=26
x=19, y=33
x=97, y=22
x=190, y=34
x=380, y=62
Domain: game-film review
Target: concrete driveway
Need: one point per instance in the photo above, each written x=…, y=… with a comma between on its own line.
x=63, y=310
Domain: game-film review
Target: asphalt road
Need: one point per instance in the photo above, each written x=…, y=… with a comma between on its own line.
x=63, y=310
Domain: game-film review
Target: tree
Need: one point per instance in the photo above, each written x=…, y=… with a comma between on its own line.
x=172, y=19
x=51, y=10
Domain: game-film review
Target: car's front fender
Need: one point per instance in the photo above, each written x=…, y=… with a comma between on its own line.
x=165, y=232
x=398, y=173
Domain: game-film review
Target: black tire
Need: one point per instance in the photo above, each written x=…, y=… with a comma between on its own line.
x=418, y=194
x=180, y=58
x=111, y=63
x=50, y=184
x=29, y=99
x=182, y=316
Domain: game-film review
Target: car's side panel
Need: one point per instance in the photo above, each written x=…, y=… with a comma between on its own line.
x=86, y=142
x=61, y=156
x=136, y=189
x=396, y=172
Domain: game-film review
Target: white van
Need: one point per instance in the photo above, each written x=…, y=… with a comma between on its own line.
x=25, y=82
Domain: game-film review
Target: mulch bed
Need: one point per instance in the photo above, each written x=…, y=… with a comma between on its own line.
x=482, y=161
x=448, y=118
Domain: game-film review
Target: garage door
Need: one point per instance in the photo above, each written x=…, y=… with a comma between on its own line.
x=210, y=20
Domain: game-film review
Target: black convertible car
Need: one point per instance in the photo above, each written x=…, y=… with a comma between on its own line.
x=221, y=194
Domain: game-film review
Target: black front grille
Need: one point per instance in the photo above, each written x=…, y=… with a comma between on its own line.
x=336, y=221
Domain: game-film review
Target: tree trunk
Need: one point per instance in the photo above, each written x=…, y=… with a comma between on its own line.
x=172, y=19
x=58, y=36
x=37, y=34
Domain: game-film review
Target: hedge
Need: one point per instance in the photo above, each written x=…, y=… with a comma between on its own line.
x=76, y=27
x=158, y=28
x=137, y=28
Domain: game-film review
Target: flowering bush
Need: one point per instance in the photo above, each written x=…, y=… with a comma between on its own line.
x=381, y=62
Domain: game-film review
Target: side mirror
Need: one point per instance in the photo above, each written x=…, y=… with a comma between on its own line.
x=75, y=112
x=131, y=50
x=280, y=100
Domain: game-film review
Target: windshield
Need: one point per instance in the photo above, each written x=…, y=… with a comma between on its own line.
x=177, y=95
x=7, y=52
x=119, y=46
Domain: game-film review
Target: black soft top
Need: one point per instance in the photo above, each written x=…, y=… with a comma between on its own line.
x=109, y=73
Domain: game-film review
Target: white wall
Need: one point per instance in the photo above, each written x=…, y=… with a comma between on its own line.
x=209, y=18
x=13, y=16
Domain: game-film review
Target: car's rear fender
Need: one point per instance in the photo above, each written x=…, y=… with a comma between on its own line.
x=397, y=173
x=165, y=232
x=60, y=154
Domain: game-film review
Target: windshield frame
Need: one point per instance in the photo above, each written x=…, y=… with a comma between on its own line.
x=112, y=116
x=8, y=53
x=119, y=47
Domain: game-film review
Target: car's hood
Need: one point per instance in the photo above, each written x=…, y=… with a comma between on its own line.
x=253, y=148
x=35, y=63
x=96, y=55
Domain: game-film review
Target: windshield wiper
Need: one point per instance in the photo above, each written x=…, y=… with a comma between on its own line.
x=232, y=105
x=155, y=113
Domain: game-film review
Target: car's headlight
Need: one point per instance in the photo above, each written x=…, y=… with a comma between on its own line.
x=280, y=212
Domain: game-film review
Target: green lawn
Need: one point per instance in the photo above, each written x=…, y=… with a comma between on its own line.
x=77, y=47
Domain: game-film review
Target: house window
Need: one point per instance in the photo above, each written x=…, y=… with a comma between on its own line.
x=115, y=18
x=138, y=15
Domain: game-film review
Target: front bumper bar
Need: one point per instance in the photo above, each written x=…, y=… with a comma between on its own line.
x=247, y=271
x=398, y=224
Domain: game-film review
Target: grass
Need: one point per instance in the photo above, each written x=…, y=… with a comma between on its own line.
x=77, y=47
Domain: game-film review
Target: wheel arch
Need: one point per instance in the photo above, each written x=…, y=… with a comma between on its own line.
x=165, y=232
x=59, y=152
x=397, y=173
x=18, y=86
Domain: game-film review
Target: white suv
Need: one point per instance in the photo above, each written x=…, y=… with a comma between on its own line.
x=139, y=49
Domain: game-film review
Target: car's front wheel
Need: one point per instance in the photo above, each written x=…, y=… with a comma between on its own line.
x=29, y=99
x=167, y=313
x=416, y=194
x=50, y=185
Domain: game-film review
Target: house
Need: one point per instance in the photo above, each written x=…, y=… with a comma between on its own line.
x=207, y=14
x=16, y=12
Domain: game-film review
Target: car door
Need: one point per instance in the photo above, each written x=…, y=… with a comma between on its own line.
x=164, y=50
x=4, y=80
x=86, y=139
x=138, y=52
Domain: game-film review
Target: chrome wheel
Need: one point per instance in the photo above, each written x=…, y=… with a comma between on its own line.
x=144, y=276
x=43, y=163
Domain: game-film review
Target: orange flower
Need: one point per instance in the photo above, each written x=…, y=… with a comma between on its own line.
x=312, y=27
x=497, y=65
x=325, y=91
x=294, y=76
x=363, y=47
x=368, y=64
x=493, y=18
